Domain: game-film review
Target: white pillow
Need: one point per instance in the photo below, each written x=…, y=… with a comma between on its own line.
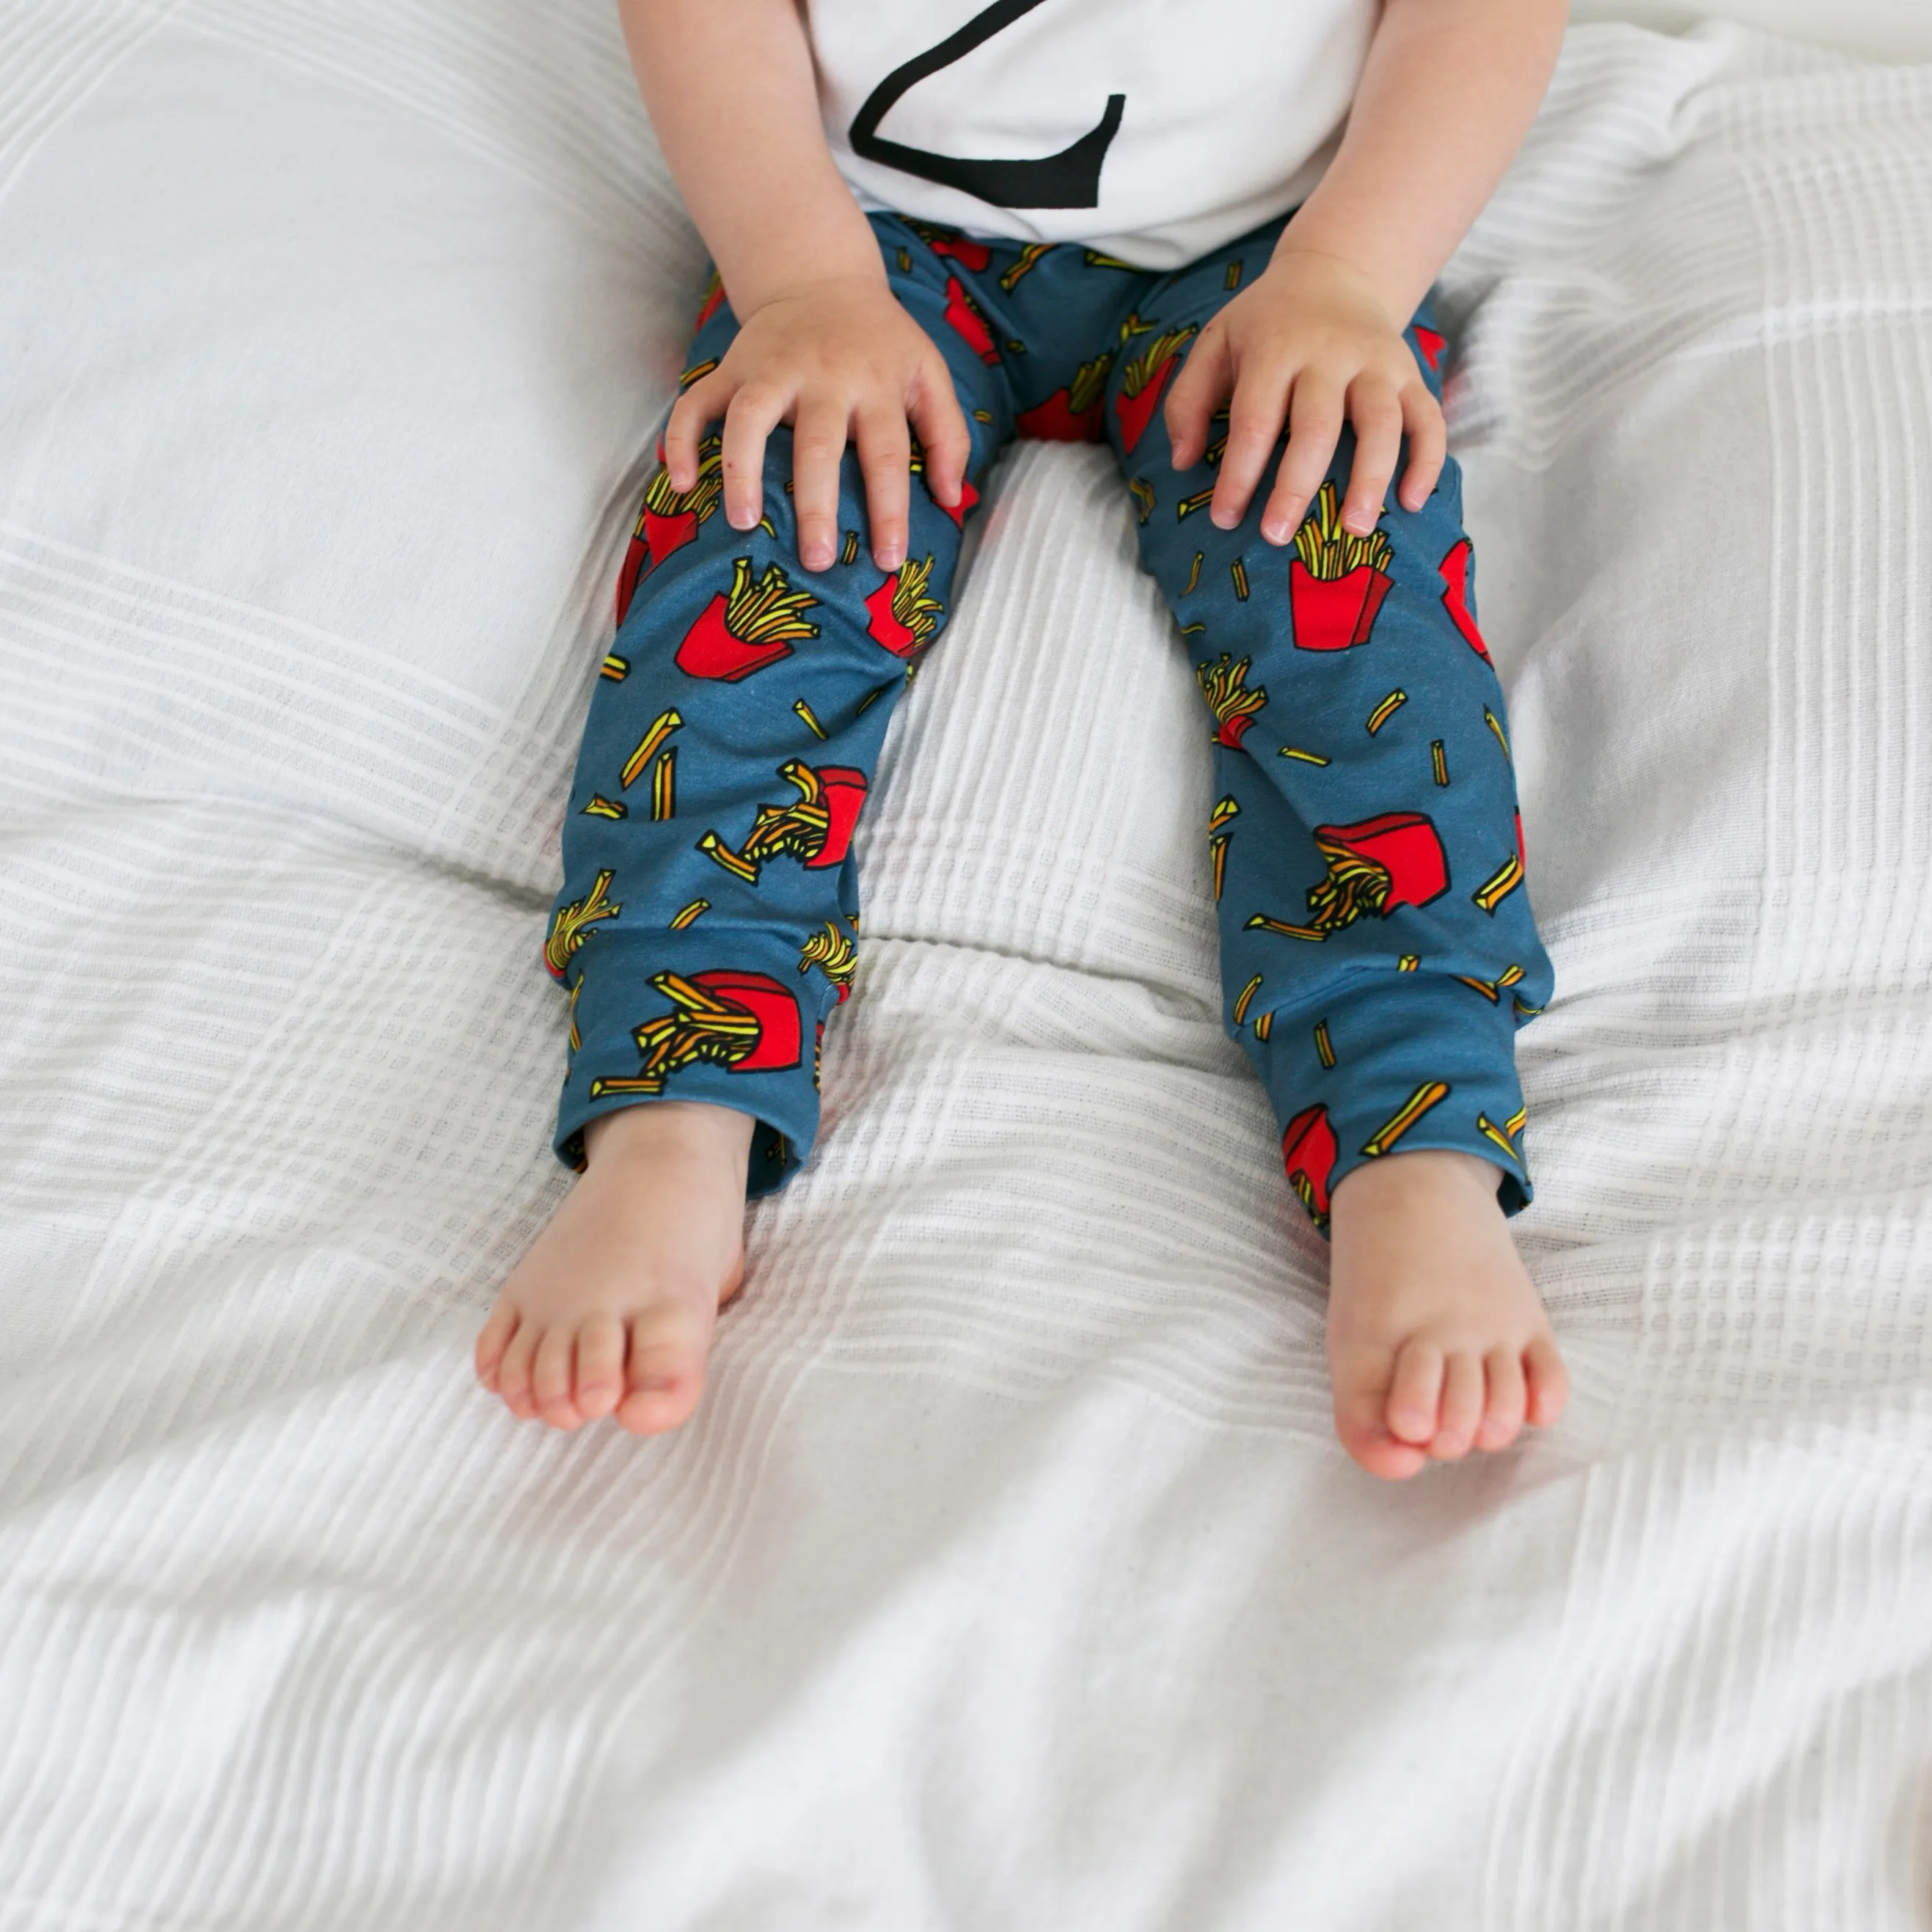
x=1891, y=30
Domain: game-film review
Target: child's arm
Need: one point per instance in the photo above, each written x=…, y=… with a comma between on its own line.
x=823, y=344
x=1449, y=89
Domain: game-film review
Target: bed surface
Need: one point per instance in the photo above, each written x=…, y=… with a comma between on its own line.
x=1011, y=1577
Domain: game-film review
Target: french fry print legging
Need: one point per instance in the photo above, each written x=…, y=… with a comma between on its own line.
x=1378, y=951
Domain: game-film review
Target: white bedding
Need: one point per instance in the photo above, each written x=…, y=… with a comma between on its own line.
x=1011, y=1577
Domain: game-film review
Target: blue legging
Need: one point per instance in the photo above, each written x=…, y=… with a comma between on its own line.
x=1378, y=951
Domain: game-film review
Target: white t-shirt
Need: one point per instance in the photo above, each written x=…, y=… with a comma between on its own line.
x=1153, y=129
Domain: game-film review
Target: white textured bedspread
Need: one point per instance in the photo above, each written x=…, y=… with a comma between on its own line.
x=1010, y=1579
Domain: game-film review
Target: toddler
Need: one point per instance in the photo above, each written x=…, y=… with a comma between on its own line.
x=1205, y=232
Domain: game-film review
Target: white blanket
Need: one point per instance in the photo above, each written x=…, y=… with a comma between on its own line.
x=1010, y=1577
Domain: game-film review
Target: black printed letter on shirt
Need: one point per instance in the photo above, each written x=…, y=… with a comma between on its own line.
x=1069, y=179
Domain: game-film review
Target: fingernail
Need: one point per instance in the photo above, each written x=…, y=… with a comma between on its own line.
x=1276, y=533
x=816, y=556
x=890, y=559
x=1223, y=520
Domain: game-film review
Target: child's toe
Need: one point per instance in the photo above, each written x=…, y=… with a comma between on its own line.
x=600, y=1366
x=550, y=1377
x=1370, y=1444
x=1462, y=1406
x=1415, y=1393
x=1503, y=1410
x=493, y=1339
x=1549, y=1381
x=665, y=1378
x=513, y=1374
x=1360, y=1382
x=661, y=1404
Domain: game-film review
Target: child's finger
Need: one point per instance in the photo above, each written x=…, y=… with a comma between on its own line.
x=1377, y=415
x=1255, y=419
x=754, y=413
x=1196, y=394
x=943, y=434
x=1428, y=445
x=1314, y=422
x=817, y=449
x=885, y=452
x=693, y=413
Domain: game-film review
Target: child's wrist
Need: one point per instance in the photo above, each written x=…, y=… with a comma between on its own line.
x=796, y=247
x=1396, y=293
x=857, y=282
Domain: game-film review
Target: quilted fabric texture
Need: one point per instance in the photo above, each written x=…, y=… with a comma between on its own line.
x=1010, y=1576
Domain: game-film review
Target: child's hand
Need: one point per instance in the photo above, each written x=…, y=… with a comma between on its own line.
x=1307, y=342
x=840, y=360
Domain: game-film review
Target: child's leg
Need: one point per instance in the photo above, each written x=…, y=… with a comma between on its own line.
x=709, y=913
x=1378, y=950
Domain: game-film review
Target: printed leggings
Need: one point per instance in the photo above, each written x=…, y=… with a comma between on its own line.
x=1378, y=951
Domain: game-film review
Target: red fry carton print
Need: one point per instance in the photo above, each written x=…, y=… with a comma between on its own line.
x=745, y=629
x=1454, y=571
x=1430, y=346
x=1393, y=859
x=1224, y=685
x=903, y=617
x=670, y=518
x=1072, y=415
x=815, y=828
x=745, y=1022
x=968, y=495
x=1308, y=1152
x=962, y=248
x=1143, y=380
x=1336, y=581
x=963, y=312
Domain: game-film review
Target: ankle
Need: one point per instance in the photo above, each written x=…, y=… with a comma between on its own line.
x=658, y=1133
x=1397, y=1183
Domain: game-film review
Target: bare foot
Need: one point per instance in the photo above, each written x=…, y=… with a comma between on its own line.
x=611, y=1310
x=1437, y=1340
